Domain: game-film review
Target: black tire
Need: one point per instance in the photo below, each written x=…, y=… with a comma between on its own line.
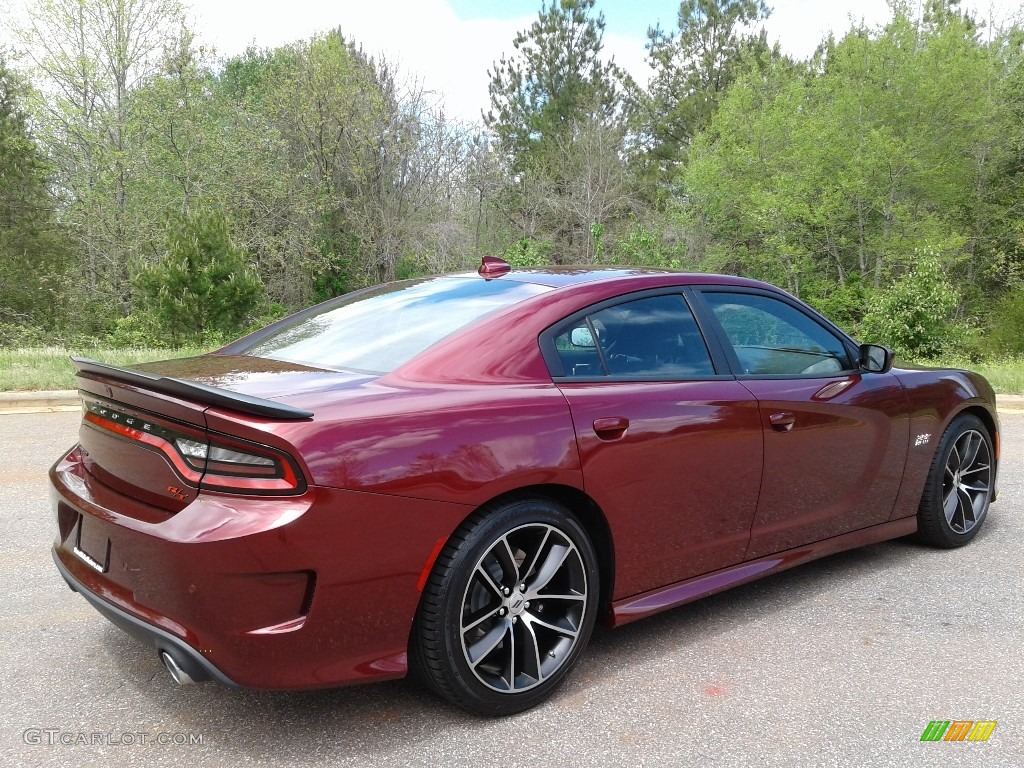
x=959, y=486
x=483, y=642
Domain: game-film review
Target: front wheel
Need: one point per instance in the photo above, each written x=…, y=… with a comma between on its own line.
x=508, y=609
x=959, y=486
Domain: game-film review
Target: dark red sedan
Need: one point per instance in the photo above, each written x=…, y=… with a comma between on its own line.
x=460, y=475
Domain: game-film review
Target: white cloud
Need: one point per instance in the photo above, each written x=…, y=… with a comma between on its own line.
x=451, y=56
x=799, y=26
x=424, y=38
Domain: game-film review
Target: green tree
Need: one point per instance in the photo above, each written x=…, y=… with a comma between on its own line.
x=33, y=254
x=200, y=137
x=693, y=65
x=1006, y=334
x=203, y=285
x=555, y=80
x=379, y=170
x=88, y=57
x=558, y=117
x=832, y=178
x=999, y=224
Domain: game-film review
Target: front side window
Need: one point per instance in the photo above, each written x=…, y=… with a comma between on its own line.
x=771, y=337
x=654, y=337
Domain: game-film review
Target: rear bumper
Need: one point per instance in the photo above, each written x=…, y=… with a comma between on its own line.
x=191, y=661
x=276, y=593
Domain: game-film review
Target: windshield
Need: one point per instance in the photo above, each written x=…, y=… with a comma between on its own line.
x=380, y=329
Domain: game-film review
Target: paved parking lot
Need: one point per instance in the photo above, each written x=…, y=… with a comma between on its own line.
x=840, y=662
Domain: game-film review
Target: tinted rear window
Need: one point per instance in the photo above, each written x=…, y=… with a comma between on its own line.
x=380, y=329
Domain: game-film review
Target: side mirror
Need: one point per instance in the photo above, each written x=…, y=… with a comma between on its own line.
x=874, y=358
x=582, y=337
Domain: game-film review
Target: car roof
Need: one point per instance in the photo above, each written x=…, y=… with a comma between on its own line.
x=559, y=277
x=502, y=346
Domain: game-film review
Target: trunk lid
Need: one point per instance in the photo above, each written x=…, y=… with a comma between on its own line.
x=146, y=430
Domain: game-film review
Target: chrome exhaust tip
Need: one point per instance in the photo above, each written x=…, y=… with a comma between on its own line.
x=179, y=675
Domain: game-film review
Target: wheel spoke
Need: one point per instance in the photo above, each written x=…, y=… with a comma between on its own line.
x=966, y=506
x=949, y=504
x=531, y=652
x=503, y=554
x=977, y=468
x=971, y=446
x=510, y=656
x=527, y=568
x=488, y=580
x=954, y=462
x=485, y=615
x=547, y=597
x=956, y=519
x=570, y=633
x=483, y=647
x=549, y=568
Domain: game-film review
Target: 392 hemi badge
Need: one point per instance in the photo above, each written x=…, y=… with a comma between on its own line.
x=178, y=493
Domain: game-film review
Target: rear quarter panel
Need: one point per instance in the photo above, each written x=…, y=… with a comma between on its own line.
x=454, y=443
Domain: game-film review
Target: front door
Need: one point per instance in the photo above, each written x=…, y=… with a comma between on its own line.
x=835, y=439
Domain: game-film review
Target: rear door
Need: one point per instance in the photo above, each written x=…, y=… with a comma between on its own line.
x=835, y=440
x=670, y=443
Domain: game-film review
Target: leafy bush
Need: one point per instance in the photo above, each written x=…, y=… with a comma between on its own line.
x=914, y=315
x=136, y=331
x=1006, y=324
x=528, y=253
x=15, y=335
x=842, y=304
x=644, y=247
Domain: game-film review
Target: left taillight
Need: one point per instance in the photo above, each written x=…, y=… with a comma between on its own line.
x=212, y=461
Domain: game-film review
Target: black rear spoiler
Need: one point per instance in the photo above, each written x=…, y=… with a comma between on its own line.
x=192, y=390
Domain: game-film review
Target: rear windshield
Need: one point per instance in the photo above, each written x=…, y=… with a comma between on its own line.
x=380, y=329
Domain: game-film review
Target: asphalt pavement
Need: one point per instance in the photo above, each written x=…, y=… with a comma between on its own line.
x=842, y=662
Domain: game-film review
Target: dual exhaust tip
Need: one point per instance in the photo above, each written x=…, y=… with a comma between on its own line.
x=177, y=673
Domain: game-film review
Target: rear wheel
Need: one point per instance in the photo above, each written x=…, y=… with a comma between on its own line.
x=508, y=609
x=959, y=487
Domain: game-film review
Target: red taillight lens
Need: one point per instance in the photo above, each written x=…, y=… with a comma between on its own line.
x=217, y=463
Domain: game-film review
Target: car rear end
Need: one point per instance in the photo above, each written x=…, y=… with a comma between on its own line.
x=216, y=506
x=169, y=515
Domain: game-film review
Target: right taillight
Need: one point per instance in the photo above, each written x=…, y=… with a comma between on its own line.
x=242, y=467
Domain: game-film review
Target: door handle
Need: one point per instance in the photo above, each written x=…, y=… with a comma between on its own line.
x=782, y=422
x=611, y=427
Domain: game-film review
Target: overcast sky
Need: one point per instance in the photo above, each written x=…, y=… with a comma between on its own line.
x=450, y=44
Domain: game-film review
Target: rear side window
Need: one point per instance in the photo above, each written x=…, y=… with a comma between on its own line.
x=378, y=330
x=654, y=337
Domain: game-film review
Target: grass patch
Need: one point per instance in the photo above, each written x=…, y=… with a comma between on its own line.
x=48, y=368
x=1006, y=376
